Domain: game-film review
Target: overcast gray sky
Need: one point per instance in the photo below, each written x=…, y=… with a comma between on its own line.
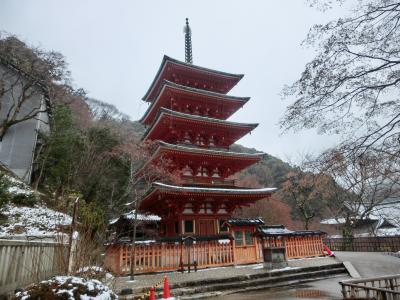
x=114, y=49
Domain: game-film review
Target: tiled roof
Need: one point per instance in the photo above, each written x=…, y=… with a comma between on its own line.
x=210, y=190
x=209, y=151
x=280, y=230
x=140, y=217
x=245, y=222
x=167, y=83
x=178, y=62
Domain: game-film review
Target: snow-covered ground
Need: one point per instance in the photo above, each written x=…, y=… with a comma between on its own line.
x=23, y=221
x=68, y=287
x=32, y=221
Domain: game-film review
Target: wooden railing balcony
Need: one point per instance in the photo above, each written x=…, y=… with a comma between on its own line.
x=208, y=181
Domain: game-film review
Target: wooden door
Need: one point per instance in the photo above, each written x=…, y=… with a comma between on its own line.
x=206, y=227
x=245, y=247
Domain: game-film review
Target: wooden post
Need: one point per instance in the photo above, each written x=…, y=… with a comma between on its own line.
x=133, y=245
x=71, y=237
x=234, y=251
x=181, y=259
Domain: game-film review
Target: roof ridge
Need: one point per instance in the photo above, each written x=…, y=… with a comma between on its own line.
x=202, y=68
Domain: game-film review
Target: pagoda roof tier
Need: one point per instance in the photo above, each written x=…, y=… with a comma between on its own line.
x=191, y=75
x=191, y=96
x=170, y=123
x=227, y=162
x=177, y=195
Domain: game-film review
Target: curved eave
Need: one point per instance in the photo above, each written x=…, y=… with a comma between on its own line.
x=239, y=194
x=163, y=147
x=211, y=121
x=204, y=151
x=166, y=59
x=179, y=87
x=241, y=191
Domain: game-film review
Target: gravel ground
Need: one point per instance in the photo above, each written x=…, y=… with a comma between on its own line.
x=212, y=273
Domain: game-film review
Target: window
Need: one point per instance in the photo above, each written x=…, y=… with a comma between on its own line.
x=163, y=229
x=176, y=228
x=189, y=226
x=239, y=238
x=249, y=237
x=222, y=226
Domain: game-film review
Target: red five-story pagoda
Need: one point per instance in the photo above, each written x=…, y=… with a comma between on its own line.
x=188, y=113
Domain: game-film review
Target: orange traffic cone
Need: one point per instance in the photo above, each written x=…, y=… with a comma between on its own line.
x=166, y=292
x=152, y=294
x=329, y=251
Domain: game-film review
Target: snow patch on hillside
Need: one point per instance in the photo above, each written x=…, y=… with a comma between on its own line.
x=18, y=187
x=32, y=221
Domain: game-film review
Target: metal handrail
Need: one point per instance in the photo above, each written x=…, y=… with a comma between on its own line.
x=390, y=290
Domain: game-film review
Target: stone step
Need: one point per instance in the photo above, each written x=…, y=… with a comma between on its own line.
x=254, y=276
x=217, y=286
x=283, y=284
x=254, y=282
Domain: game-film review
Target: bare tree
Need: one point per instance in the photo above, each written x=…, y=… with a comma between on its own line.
x=136, y=154
x=351, y=86
x=357, y=188
x=21, y=98
x=27, y=76
x=304, y=190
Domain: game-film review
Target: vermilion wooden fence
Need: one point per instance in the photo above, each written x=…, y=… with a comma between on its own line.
x=298, y=246
x=157, y=257
x=366, y=244
x=165, y=257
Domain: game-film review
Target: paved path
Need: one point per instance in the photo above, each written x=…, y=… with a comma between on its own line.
x=322, y=289
x=212, y=273
x=368, y=264
x=371, y=264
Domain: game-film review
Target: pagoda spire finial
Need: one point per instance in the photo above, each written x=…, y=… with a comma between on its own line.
x=188, y=43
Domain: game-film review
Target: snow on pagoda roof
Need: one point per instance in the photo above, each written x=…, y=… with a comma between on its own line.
x=166, y=59
x=167, y=83
x=209, y=151
x=212, y=190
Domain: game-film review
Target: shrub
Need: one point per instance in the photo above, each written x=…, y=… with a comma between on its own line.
x=24, y=199
x=65, y=288
x=4, y=187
